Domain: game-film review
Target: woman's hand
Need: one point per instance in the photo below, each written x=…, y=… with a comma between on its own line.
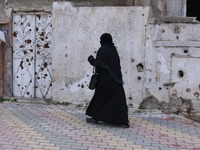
x=90, y=58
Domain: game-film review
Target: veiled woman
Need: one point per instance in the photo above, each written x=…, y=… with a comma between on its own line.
x=109, y=102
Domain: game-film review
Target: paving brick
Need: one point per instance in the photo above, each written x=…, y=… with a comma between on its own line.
x=64, y=145
x=91, y=145
x=8, y=146
x=51, y=148
x=92, y=148
x=32, y=142
x=46, y=144
x=35, y=146
x=79, y=147
x=65, y=128
x=22, y=148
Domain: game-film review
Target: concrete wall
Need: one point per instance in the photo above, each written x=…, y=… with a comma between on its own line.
x=172, y=62
x=76, y=35
x=157, y=9
x=158, y=59
x=9, y=6
x=160, y=9
x=76, y=2
x=142, y=2
x=169, y=53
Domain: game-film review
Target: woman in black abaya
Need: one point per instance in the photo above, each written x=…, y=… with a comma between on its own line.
x=109, y=102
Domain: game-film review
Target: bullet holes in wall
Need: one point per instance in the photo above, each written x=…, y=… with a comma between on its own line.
x=176, y=29
x=185, y=51
x=81, y=85
x=140, y=67
x=188, y=90
x=180, y=73
x=130, y=105
x=139, y=78
x=132, y=59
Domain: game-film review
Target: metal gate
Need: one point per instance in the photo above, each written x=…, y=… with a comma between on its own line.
x=32, y=59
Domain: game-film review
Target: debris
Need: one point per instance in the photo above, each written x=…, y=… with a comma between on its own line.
x=150, y=103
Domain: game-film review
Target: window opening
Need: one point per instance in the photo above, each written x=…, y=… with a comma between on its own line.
x=193, y=9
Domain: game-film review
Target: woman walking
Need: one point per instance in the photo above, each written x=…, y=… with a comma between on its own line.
x=109, y=102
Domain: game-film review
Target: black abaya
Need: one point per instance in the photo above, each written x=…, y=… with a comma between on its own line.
x=109, y=102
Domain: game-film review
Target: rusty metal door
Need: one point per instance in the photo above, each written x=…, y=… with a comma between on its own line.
x=32, y=45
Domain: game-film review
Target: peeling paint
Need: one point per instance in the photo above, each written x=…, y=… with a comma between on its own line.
x=167, y=51
x=31, y=64
x=15, y=34
x=126, y=25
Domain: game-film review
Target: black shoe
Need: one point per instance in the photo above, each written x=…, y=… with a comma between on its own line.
x=95, y=121
x=91, y=120
x=125, y=125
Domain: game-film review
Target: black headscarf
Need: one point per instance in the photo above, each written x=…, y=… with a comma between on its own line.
x=106, y=39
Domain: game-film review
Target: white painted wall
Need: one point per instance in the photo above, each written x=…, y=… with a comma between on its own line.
x=76, y=35
x=160, y=48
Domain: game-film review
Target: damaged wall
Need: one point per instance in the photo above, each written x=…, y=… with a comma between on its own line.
x=156, y=12
x=156, y=57
x=76, y=35
x=76, y=2
x=9, y=6
x=172, y=61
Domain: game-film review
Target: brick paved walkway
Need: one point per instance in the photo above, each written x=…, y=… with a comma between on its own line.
x=56, y=127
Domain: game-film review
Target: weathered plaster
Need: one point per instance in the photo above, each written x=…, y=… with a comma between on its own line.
x=76, y=36
x=172, y=59
x=154, y=54
x=9, y=6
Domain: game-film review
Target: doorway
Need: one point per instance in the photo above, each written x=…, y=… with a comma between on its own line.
x=32, y=59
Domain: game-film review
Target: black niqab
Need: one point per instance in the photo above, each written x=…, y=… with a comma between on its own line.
x=106, y=38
